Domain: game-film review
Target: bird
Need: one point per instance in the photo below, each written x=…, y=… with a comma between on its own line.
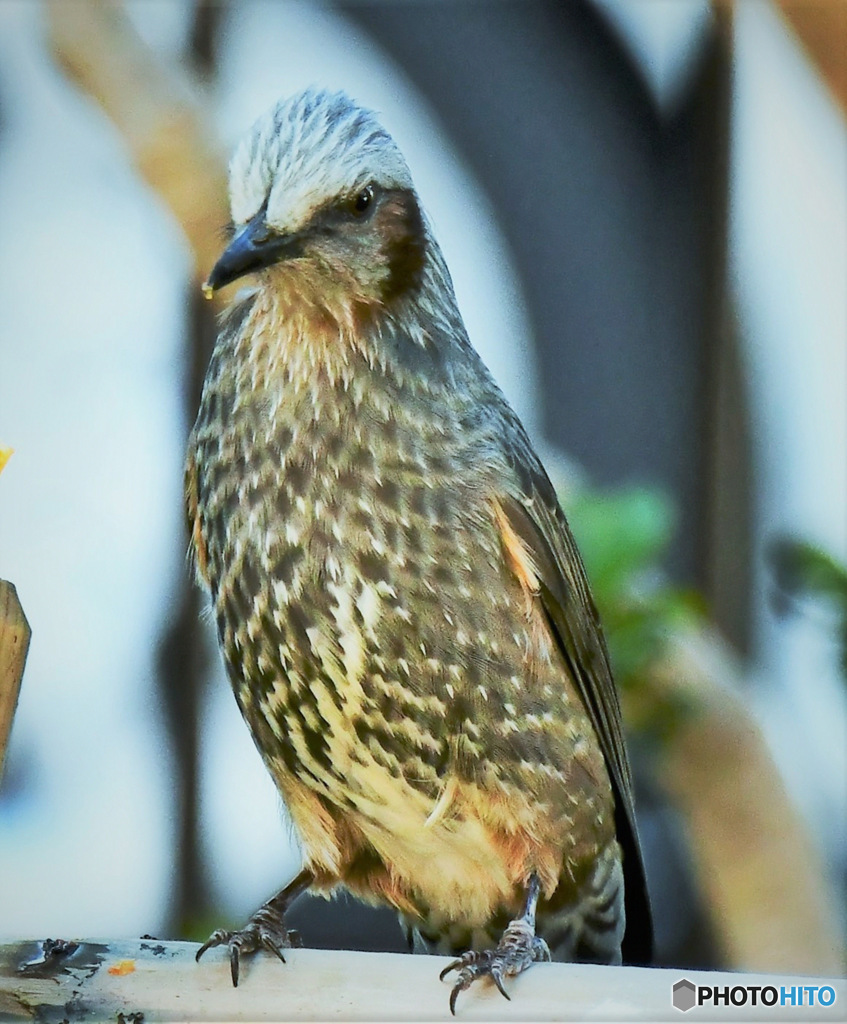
x=402, y=610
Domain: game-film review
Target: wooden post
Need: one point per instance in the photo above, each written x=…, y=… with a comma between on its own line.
x=159, y=110
x=14, y=644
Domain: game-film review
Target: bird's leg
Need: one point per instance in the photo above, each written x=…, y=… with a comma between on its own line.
x=265, y=929
x=518, y=949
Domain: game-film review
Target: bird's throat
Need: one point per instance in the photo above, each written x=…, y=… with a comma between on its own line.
x=301, y=334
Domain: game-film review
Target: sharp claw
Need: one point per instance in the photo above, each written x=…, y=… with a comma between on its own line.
x=215, y=939
x=272, y=947
x=454, y=995
x=498, y=981
x=233, y=964
x=450, y=967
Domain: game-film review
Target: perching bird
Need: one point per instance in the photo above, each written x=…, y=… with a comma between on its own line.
x=404, y=617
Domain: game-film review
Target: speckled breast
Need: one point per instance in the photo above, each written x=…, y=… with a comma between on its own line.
x=376, y=641
x=335, y=553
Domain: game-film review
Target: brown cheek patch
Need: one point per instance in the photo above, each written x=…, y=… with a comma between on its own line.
x=400, y=225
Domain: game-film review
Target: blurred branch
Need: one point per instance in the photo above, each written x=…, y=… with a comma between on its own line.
x=757, y=867
x=158, y=110
x=14, y=644
x=802, y=570
x=182, y=661
x=821, y=26
x=681, y=688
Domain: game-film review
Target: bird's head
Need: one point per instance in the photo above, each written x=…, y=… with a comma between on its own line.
x=322, y=199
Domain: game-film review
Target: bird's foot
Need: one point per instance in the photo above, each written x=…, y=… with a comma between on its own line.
x=518, y=949
x=264, y=930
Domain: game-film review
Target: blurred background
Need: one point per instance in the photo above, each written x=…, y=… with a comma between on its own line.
x=644, y=207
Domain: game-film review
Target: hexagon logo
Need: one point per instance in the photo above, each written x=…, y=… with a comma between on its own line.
x=684, y=995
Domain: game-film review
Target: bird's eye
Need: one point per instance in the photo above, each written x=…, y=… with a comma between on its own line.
x=362, y=202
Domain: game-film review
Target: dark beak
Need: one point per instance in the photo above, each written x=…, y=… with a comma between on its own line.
x=254, y=247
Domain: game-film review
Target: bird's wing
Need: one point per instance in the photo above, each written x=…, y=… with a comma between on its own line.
x=538, y=525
